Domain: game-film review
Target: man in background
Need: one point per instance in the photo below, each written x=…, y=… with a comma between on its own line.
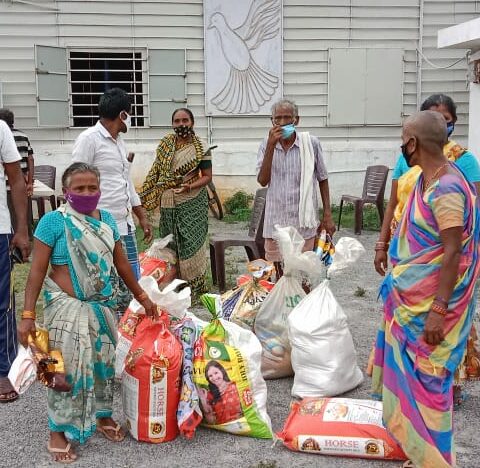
x=24, y=148
x=291, y=164
x=10, y=167
x=103, y=147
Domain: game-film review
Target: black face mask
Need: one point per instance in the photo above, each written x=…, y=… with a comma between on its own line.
x=407, y=156
x=183, y=131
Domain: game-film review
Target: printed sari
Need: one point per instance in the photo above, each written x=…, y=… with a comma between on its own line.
x=414, y=379
x=470, y=368
x=83, y=328
x=184, y=215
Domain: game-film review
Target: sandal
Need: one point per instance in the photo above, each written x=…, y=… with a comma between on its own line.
x=459, y=400
x=106, y=431
x=7, y=392
x=69, y=457
x=408, y=464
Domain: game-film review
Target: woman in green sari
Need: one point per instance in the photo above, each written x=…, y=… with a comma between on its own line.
x=177, y=183
x=83, y=247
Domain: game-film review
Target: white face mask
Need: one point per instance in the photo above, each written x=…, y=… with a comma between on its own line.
x=127, y=121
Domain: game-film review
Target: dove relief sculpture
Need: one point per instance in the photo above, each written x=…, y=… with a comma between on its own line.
x=248, y=86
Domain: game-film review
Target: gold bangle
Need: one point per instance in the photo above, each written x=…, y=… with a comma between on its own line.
x=380, y=245
x=29, y=314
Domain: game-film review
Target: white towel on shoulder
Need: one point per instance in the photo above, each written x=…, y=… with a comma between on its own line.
x=306, y=208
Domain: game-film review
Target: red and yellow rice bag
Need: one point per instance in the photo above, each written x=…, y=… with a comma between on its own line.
x=151, y=382
x=339, y=426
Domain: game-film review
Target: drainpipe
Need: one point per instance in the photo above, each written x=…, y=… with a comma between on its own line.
x=419, y=54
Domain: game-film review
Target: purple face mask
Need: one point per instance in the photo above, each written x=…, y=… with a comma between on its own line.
x=84, y=204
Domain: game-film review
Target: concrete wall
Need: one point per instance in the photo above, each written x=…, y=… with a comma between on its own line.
x=234, y=164
x=311, y=28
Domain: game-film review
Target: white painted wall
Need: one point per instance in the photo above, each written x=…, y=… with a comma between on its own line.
x=311, y=27
x=234, y=164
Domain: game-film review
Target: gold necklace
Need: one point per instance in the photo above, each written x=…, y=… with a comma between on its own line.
x=427, y=183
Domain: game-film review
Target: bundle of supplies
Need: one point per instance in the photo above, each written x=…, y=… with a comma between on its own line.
x=159, y=261
x=324, y=248
x=323, y=355
x=38, y=362
x=23, y=371
x=168, y=299
x=189, y=414
x=151, y=382
x=233, y=394
x=271, y=321
x=241, y=305
x=341, y=427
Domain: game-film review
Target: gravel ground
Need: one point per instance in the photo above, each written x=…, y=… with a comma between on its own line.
x=23, y=428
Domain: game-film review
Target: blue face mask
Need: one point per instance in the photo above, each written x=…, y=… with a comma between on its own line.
x=288, y=130
x=450, y=128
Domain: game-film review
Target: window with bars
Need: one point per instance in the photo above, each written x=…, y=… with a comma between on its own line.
x=93, y=73
x=71, y=81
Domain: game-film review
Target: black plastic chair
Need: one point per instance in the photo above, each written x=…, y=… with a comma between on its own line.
x=252, y=241
x=47, y=175
x=373, y=193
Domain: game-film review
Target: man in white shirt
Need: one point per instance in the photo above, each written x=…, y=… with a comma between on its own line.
x=103, y=147
x=10, y=166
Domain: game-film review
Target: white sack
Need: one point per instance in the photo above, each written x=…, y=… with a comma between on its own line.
x=271, y=321
x=323, y=355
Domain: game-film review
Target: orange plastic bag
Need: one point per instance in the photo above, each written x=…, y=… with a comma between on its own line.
x=159, y=262
x=127, y=331
x=341, y=427
x=151, y=382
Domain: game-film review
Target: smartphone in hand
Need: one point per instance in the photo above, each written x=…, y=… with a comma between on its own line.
x=16, y=256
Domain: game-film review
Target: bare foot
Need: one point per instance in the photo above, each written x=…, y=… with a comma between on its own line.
x=60, y=448
x=110, y=429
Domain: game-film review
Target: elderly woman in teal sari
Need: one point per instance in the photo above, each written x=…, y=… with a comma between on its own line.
x=83, y=247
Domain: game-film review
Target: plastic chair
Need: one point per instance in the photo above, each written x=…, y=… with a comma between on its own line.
x=252, y=241
x=373, y=193
x=47, y=175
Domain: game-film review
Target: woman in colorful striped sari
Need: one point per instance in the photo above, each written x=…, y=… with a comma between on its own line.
x=428, y=299
x=82, y=245
x=177, y=182
x=404, y=179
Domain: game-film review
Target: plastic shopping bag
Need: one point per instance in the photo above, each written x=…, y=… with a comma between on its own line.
x=339, y=426
x=323, y=355
x=189, y=414
x=241, y=305
x=228, y=378
x=159, y=262
x=174, y=302
x=23, y=372
x=151, y=382
x=271, y=321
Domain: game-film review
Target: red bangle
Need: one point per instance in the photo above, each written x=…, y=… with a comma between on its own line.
x=438, y=309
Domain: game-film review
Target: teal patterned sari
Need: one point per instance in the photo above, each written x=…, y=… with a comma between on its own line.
x=83, y=328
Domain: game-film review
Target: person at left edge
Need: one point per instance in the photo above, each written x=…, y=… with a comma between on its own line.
x=10, y=167
x=103, y=147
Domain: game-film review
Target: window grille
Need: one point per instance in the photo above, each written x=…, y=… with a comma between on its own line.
x=94, y=72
